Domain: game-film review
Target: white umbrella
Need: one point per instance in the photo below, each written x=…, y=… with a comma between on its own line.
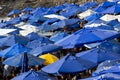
x=27, y=28
x=108, y=17
x=6, y=31
x=85, y=14
x=55, y=16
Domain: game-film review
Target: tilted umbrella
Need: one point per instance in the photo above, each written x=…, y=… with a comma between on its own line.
x=108, y=76
x=15, y=11
x=18, y=60
x=86, y=36
x=45, y=49
x=13, y=50
x=98, y=55
x=33, y=75
x=69, y=64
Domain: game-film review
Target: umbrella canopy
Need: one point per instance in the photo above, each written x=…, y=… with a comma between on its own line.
x=93, y=17
x=25, y=16
x=6, y=31
x=86, y=13
x=112, y=45
x=13, y=39
x=17, y=61
x=108, y=63
x=33, y=36
x=107, y=4
x=114, y=9
x=112, y=69
x=45, y=49
x=33, y=75
x=55, y=16
x=108, y=76
x=85, y=36
x=98, y=55
x=49, y=58
x=13, y=50
x=117, y=27
x=58, y=36
x=108, y=17
x=69, y=64
x=39, y=42
x=15, y=11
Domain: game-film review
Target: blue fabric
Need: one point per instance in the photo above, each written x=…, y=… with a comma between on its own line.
x=33, y=75
x=93, y=17
x=86, y=36
x=99, y=9
x=33, y=36
x=113, y=22
x=107, y=4
x=15, y=11
x=117, y=27
x=96, y=21
x=13, y=39
x=108, y=76
x=45, y=49
x=113, y=46
x=25, y=16
x=58, y=36
x=113, y=9
x=27, y=9
x=112, y=69
x=98, y=55
x=108, y=63
x=69, y=64
x=105, y=27
x=15, y=20
x=17, y=61
x=47, y=27
x=39, y=42
x=13, y=50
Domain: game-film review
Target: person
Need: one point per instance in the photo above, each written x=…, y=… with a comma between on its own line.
x=7, y=72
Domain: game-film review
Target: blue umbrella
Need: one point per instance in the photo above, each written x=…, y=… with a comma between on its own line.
x=17, y=61
x=13, y=39
x=86, y=36
x=108, y=76
x=98, y=55
x=114, y=9
x=58, y=36
x=107, y=4
x=15, y=20
x=117, y=27
x=113, y=46
x=45, y=49
x=15, y=11
x=33, y=36
x=13, y=50
x=93, y=17
x=27, y=9
x=113, y=22
x=33, y=75
x=25, y=16
x=69, y=64
x=112, y=69
x=47, y=27
x=99, y=9
x=39, y=42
